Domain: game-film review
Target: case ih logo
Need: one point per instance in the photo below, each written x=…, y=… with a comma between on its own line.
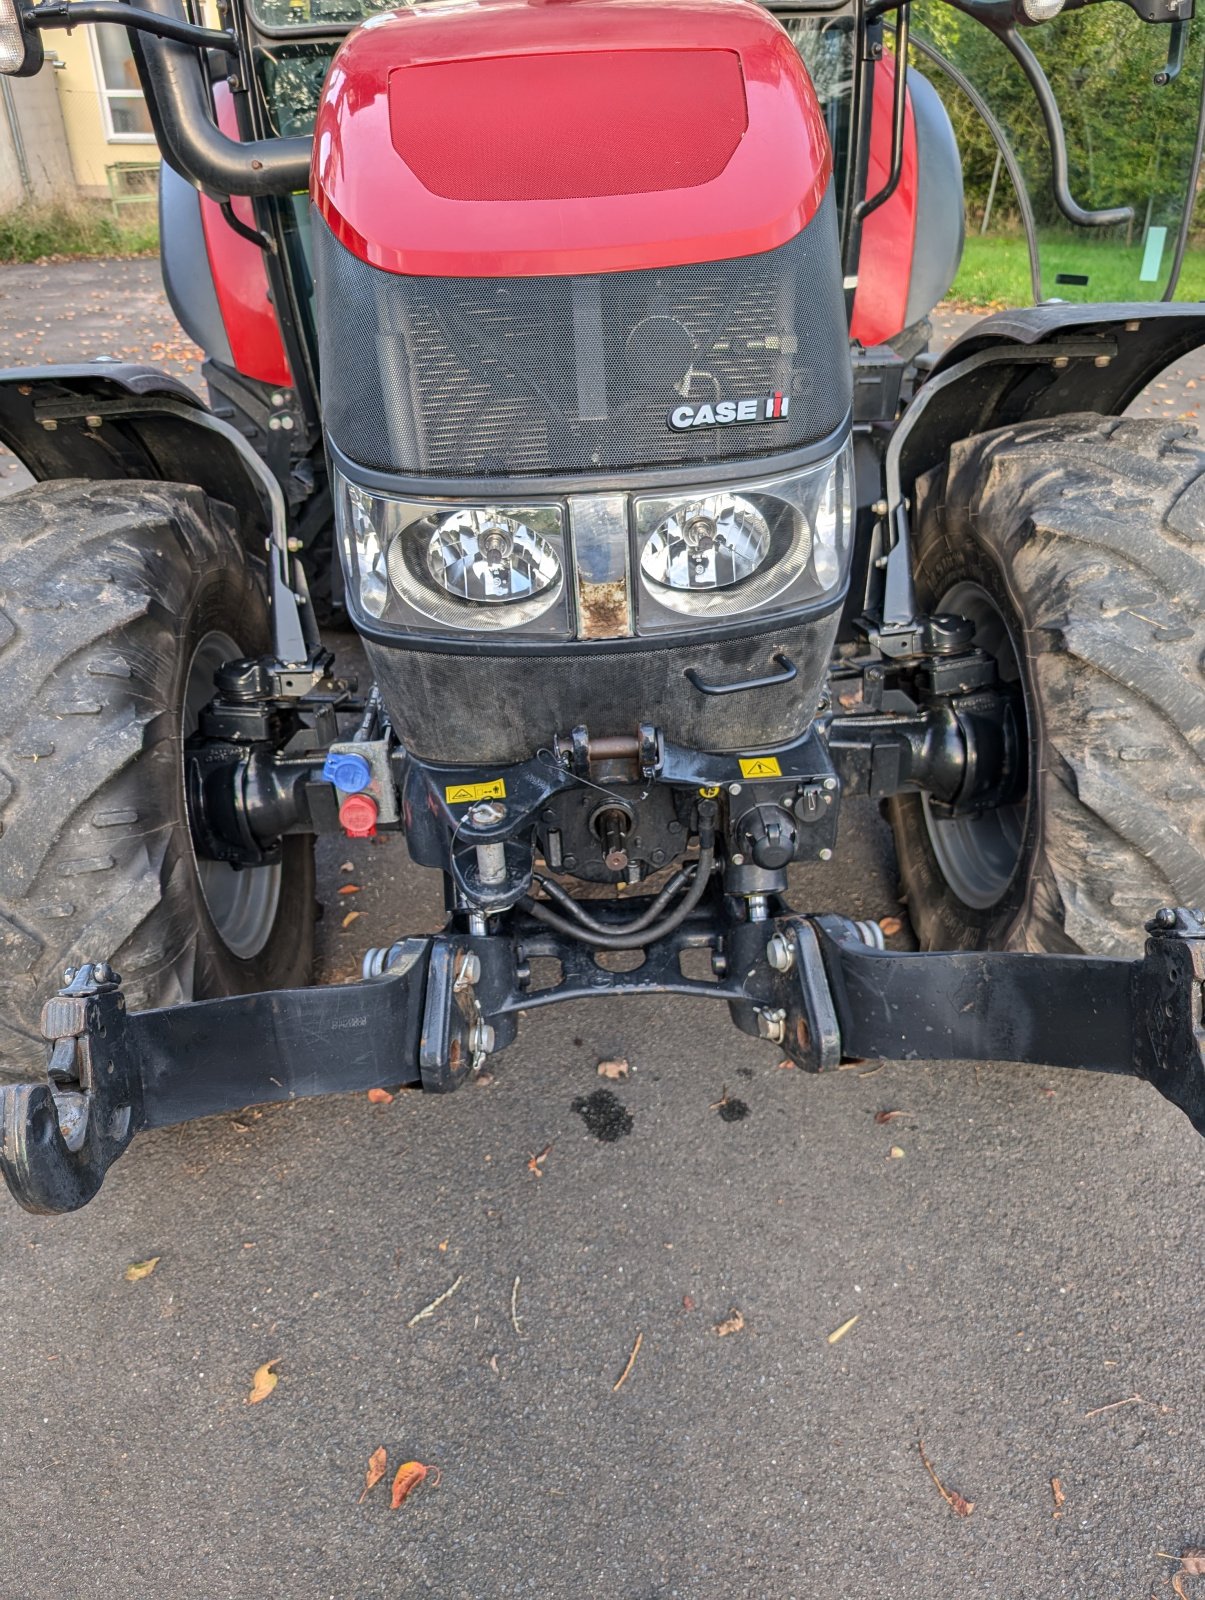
x=770, y=408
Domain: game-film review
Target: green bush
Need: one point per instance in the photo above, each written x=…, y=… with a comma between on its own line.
x=82, y=228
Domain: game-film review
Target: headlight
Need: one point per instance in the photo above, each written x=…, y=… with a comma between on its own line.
x=465, y=568
x=761, y=547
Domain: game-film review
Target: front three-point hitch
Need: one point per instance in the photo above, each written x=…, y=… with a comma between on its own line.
x=435, y=1006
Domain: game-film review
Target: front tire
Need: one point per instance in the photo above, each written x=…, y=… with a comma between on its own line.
x=118, y=601
x=1078, y=548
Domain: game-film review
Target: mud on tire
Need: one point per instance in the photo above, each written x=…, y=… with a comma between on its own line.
x=106, y=590
x=1088, y=533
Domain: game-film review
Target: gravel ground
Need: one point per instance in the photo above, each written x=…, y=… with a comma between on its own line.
x=1026, y=1279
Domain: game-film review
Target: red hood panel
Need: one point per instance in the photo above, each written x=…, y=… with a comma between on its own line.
x=515, y=138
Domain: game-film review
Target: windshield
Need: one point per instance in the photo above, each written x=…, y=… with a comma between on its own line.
x=1130, y=144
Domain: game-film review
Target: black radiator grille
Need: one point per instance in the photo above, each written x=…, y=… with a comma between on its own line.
x=498, y=377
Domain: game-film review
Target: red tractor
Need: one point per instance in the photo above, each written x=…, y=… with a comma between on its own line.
x=576, y=352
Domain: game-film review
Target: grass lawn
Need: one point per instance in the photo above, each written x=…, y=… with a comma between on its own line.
x=995, y=271
x=85, y=228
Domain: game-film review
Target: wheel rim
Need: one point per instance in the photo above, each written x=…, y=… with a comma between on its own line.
x=979, y=856
x=242, y=904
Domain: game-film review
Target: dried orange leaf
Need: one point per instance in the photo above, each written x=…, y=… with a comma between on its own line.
x=1192, y=1561
x=890, y=1116
x=839, y=1333
x=141, y=1269
x=376, y=1471
x=349, y=919
x=380, y=1097
x=407, y=1477
x=895, y=1153
x=613, y=1069
x=732, y=1324
x=1178, y=1586
x=891, y=925
x=952, y=1498
x=263, y=1383
x=349, y=888
x=536, y=1163
x=1056, y=1489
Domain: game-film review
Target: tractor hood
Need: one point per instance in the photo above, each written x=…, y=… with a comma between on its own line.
x=513, y=139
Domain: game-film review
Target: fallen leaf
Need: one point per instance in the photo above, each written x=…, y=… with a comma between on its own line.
x=1178, y=1586
x=1056, y=1489
x=785, y=1066
x=895, y=1153
x=376, y=1471
x=443, y=1244
x=688, y=1303
x=613, y=1069
x=347, y=866
x=349, y=919
x=380, y=1097
x=890, y=1116
x=733, y=1324
x=839, y=1333
x=141, y=1269
x=536, y=1163
x=952, y=1498
x=1193, y=1561
x=263, y=1383
x=407, y=1477
x=349, y=888
x=891, y=925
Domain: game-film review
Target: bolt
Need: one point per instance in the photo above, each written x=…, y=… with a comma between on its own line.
x=470, y=970
x=69, y=975
x=830, y=783
x=772, y=1025
x=1102, y=361
x=779, y=953
x=274, y=424
x=486, y=814
x=879, y=508
x=94, y=422
x=1165, y=917
x=737, y=859
x=1132, y=327
x=481, y=1038
x=658, y=857
x=102, y=972
x=1061, y=361
x=826, y=855
x=278, y=399
x=49, y=424
x=293, y=545
x=734, y=788
x=286, y=423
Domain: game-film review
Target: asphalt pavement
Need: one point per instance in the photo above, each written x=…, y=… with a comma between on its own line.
x=1026, y=1275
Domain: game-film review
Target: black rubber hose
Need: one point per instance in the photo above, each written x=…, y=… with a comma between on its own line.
x=630, y=940
x=575, y=908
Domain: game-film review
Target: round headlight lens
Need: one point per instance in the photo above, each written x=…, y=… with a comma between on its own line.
x=490, y=556
x=710, y=543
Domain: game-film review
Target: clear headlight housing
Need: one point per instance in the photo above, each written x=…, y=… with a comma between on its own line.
x=427, y=567
x=763, y=546
x=603, y=565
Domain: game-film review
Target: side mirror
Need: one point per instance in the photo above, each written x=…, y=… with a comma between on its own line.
x=21, y=52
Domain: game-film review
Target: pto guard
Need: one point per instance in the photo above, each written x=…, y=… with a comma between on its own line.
x=438, y=1005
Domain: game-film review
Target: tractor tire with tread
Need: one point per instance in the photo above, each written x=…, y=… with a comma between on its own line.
x=109, y=592
x=1087, y=534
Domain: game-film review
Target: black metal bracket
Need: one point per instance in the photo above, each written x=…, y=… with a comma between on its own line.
x=434, y=1008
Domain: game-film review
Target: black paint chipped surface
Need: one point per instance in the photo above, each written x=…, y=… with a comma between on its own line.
x=604, y=1114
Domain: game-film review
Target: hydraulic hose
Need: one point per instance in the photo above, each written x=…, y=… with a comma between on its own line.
x=630, y=940
x=579, y=912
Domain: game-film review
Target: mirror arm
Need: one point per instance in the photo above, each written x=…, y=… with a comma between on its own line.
x=73, y=13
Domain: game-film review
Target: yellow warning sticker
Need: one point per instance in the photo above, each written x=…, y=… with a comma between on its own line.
x=761, y=767
x=459, y=794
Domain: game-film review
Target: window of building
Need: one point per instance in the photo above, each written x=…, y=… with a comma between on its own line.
x=122, y=101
